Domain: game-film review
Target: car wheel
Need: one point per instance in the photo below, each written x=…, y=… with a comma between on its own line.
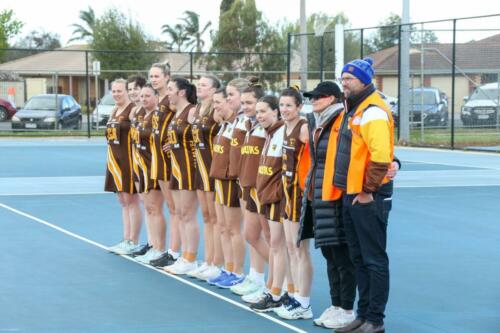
x=78, y=125
x=59, y=125
x=4, y=114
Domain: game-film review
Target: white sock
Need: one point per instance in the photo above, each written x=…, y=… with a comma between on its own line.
x=304, y=301
x=251, y=273
x=258, y=278
x=174, y=254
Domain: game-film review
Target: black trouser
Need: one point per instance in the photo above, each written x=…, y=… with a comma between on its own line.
x=365, y=226
x=340, y=275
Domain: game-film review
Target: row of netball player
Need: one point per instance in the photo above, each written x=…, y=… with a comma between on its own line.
x=234, y=152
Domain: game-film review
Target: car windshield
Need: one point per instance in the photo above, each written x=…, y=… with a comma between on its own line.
x=482, y=94
x=429, y=97
x=41, y=103
x=107, y=100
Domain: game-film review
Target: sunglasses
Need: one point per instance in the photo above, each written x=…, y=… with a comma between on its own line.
x=314, y=98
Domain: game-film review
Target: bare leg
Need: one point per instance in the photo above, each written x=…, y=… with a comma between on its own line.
x=225, y=236
x=153, y=203
x=233, y=219
x=208, y=226
x=278, y=250
x=175, y=234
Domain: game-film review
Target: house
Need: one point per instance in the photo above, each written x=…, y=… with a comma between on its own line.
x=477, y=62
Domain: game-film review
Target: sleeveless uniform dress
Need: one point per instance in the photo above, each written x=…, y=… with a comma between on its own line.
x=161, y=160
x=134, y=134
x=146, y=148
x=204, y=129
x=119, y=173
x=182, y=160
x=269, y=186
x=292, y=150
x=226, y=188
x=250, y=157
x=240, y=128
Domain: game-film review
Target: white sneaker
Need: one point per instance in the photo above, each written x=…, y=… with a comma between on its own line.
x=210, y=273
x=195, y=273
x=183, y=267
x=293, y=310
x=329, y=312
x=342, y=319
x=255, y=297
x=117, y=247
x=127, y=248
x=150, y=255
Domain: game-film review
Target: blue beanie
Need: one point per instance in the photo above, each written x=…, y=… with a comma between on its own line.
x=362, y=69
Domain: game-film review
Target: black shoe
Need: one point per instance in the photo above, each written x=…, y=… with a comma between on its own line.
x=266, y=304
x=355, y=324
x=368, y=327
x=141, y=251
x=166, y=259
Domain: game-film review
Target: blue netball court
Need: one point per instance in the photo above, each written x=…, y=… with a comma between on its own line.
x=56, y=221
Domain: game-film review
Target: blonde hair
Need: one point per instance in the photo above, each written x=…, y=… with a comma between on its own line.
x=163, y=66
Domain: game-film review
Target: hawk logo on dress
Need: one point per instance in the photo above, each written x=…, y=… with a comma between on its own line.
x=179, y=121
x=162, y=108
x=273, y=147
x=292, y=141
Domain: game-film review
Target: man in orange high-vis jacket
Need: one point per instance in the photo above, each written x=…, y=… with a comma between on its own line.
x=365, y=150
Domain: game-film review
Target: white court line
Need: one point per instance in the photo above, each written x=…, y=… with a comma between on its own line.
x=449, y=164
x=69, y=233
x=47, y=194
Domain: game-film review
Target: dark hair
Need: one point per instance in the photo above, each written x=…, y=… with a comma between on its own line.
x=272, y=101
x=138, y=80
x=183, y=84
x=164, y=66
x=215, y=81
x=221, y=90
x=294, y=92
x=255, y=87
x=148, y=85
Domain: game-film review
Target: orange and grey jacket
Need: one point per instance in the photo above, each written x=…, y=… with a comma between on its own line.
x=365, y=147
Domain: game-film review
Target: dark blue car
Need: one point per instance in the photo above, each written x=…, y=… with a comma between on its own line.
x=49, y=111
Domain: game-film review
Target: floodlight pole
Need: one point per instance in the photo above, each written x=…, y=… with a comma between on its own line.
x=303, y=46
x=404, y=76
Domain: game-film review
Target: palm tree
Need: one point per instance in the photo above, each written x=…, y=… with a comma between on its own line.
x=194, y=33
x=177, y=35
x=84, y=31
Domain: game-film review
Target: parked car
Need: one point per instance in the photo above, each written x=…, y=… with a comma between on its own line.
x=104, y=109
x=49, y=111
x=428, y=106
x=7, y=110
x=392, y=102
x=482, y=107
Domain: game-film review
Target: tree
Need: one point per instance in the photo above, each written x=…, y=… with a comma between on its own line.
x=9, y=27
x=193, y=31
x=113, y=31
x=84, y=31
x=40, y=40
x=388, y=34
x=177, y=36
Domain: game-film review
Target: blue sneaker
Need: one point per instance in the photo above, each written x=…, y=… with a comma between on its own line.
x=222, y=276
x=230, y=281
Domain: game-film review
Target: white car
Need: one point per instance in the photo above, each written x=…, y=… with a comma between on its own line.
x=101, y=113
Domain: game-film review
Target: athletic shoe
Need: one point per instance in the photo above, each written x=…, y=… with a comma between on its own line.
x=182, y=267
x=166, y=259
x=293, y=310
x=210, y=273
x=342, y=319
x=195, y=273
x=247, y=287
x=152, y=254
x=127, y=248
x=230, y=281
x=117, y=247
x=256, y=296
x=266, y=304
x=331, y=311
x=222, y=276
x=141, y=250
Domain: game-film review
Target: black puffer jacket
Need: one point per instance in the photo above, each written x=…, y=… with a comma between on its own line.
x=320, y=219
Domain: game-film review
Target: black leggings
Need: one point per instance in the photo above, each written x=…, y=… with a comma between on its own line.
x=341, y=275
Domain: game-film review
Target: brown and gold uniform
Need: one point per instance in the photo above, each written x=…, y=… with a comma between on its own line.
x=241, y=126
x=269, y=187
x=134, y=133
x=119, y=171
x=250, y=157
x=292, y=150
x=146, y=149
x=180, y=139
x=226, y=187
x=161, y=160
x=204, y=129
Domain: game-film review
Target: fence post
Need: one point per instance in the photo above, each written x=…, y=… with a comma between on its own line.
x=87, y=90
x=453, y=63
x=399, y=84
x=288, y=59
x=361, y=49
x=321, y=58
x=191, y=65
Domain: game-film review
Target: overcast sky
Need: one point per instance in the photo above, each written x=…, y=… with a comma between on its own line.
x=57, y=16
